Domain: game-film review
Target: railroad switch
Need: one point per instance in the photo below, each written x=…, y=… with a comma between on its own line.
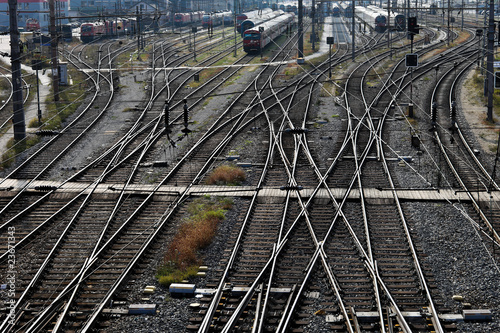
x=296, y=130
x=290, y=188
x=167, y=116
x=46, y=133
x=45, y=188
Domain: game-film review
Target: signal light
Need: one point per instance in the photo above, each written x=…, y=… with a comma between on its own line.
x=413, y=27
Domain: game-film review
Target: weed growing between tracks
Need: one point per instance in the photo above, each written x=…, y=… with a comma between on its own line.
x=182, y=258
x=226, y=175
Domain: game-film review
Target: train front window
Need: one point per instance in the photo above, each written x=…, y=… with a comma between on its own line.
x=252, y=36
x=86, y=28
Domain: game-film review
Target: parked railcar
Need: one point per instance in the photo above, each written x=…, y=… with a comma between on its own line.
x=373, y=19
x=398, y=18
x=182, y=19
x=346, y=9
x=250, y=23
x=32, y=24
x=65, y=32
x=228, y=20
x=257, y=38
x=250, y=15
x=214, y=19
x=336, y=12
x=91, y=31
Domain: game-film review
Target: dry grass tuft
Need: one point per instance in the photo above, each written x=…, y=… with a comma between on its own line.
x=182, y=257
x=226, y=175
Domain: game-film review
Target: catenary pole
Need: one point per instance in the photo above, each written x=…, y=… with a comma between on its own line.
x=489, y=59
x=17, y=96
x=53, y=50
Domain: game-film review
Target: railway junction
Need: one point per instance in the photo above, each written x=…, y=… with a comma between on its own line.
x=322, y=183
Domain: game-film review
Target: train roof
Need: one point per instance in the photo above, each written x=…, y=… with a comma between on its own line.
x=271, y=23
x=257, y=13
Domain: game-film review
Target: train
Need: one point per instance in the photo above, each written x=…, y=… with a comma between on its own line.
x=250, y=15
x=399, y=19
x=336, y=12
x=228, y=20
x=372, y=18
x=346, y=9
x=32, y=24
x=91, y=31
x=215, y=19
x=65, y=32
x=182, y=19
x=250, y=23
x=258, y=37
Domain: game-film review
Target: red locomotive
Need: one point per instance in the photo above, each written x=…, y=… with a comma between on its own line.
x=32, y=24
x=181, y=19
x=111, y=28
x=91, y=31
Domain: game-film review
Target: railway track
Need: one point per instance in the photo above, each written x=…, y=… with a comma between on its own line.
x=289, y=260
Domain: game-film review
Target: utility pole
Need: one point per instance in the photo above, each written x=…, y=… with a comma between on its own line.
x=353, y=31
x=449, y=32
x=17, y=96
x=234, y=10
x=313, y=35
x=300, y=32
x=489, y=59
x=138, y=31
x=53, y=48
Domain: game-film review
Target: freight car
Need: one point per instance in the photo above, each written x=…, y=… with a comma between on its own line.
x=255, y=39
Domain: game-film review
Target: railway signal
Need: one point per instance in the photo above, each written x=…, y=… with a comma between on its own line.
x=413, y=27
x=329, y=41
x=412, y=60
x=497, y=80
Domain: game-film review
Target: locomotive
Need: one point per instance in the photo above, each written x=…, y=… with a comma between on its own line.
x=182, y=19
x=256, y=38
x=91, y=31
x=336, y=12
x=95, y=30
x=32, y=24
